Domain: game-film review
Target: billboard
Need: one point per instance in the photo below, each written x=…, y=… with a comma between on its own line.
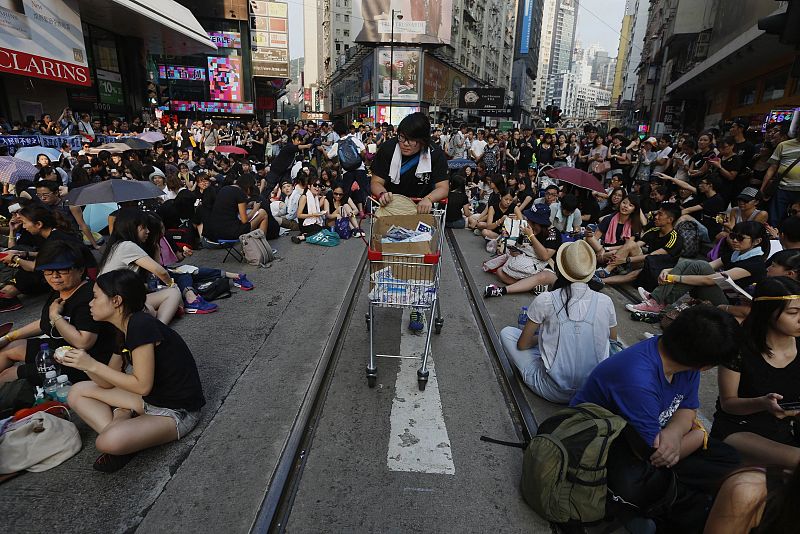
x=404, y=82
x=527, y=22
x=482, y=98
x=441, y=84
x=43, y=41
x=224, y=79
x=179, y=72
x=367, y=77
x=398, y=113
x=212, y=107
x=226, y=39
x=423, y=22
x=269, y=38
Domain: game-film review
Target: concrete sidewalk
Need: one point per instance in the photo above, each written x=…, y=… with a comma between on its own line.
x=256, y=356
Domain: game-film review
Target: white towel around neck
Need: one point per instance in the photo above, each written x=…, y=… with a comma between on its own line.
x=312, y=206
x=424, y=165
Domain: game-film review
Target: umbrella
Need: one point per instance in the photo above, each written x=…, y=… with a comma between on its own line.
x=460, y=163
x=576, y=177
x=151, y=137
x=137, y=144
x=14, y=169
x=113, y=191
x=231, y=149
x=30, y=153
x=96, y=215
x=114, y=148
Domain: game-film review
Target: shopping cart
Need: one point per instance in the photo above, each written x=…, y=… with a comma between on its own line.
x=405, y=280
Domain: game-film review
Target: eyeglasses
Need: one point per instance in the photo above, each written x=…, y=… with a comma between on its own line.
x=403, y=140
x=53, y=272
x=735, y=236
x=45, y=196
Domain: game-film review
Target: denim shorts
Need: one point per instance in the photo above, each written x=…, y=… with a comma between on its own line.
x=185, y=420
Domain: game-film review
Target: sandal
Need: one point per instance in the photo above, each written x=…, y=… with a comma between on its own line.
x=109, y=463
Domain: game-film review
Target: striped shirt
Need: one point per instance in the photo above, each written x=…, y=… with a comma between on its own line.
x=785, y=154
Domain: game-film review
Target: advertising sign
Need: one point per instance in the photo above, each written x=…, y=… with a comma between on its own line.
x=398, y=113
x=178, y=72
x=404, y=70
x=109, y=87
x=269, y=38
x=482, y=98
x=43, y=40
x=527, y=22
x=441, y=83
x=226, y=39
x=212, y=107
x=423, y=21
x=367, y=77
x=224, y=78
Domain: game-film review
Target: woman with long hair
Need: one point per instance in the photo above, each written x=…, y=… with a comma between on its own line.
x=615, y=199
x=230, y=218
x=163, y=390
x=613, y=232
x=124, y=250
x=763, y=377
x=309, y=211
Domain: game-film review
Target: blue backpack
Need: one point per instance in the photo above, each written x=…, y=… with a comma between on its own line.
x=349, y=155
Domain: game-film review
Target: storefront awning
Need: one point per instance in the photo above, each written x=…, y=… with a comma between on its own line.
x=166, y=26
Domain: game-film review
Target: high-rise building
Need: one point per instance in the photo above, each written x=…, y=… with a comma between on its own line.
x=563, y=43
x=545, y=49
x=327, y=37
x=526, y=57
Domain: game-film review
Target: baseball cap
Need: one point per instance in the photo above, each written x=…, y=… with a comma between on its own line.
x=748, y=194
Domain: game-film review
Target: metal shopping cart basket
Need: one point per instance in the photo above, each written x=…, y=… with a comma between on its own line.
x=405, y=275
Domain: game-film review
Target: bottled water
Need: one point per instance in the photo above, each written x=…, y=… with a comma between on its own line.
x=62, y=390
x=51, y=384
x=523, y=318
x=44, y=361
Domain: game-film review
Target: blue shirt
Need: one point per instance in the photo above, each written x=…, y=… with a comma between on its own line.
x=632, y=385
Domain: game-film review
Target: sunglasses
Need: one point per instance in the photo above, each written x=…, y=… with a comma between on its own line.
x=735, y=236
x=317, y=184
x=60, y=272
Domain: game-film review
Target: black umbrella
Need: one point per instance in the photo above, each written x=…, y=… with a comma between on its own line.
x=137, y=144
x=113, y=191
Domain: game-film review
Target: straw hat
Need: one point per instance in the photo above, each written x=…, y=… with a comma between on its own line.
x=400, y=205
x=576, y=261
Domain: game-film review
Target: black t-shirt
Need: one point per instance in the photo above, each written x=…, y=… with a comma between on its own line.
x=544, y=155
x=224, y=220
x=755, y=266
x=615, y=151
x=731, y=188
x=456, y=200
x=550, y=238
x=672, y=242
x=498, y=211
x=176, y=382
x=745, y=150
x=603, y=227
x=410, y=184
x=589, y=206
x=76, y=312
x=284, y=160
x=527, y=148
x=711, y=208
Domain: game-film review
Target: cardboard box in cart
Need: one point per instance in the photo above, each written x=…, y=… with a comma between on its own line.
x=403, y=267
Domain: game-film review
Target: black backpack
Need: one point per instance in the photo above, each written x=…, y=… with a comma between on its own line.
x=219, y=288
x=349, y=155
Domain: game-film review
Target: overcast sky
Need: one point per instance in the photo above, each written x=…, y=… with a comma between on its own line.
x=599, y=21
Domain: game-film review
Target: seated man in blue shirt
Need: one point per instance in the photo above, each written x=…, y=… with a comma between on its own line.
x=653, y=385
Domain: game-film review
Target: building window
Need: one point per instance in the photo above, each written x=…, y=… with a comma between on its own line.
x=347, y=33
x=747, y=94
x=347, y=18
x=338, y=17
x=775, y=86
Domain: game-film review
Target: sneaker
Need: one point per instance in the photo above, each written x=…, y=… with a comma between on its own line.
x=596, y=282
x=476, y=231
x=649, y=306
x=200, y=306
x=492, y=291
x=109, y=463
x=644, y=294
x=243, y=283
x=415, y=323
x=602, y=273
x=10, y=304
x=648, y=335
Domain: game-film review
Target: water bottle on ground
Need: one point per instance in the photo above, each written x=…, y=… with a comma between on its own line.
x=51, y=384
x=62, y=390
x=44, y=361
x=523, y=318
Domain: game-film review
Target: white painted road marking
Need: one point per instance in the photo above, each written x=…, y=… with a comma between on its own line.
x=418, y=441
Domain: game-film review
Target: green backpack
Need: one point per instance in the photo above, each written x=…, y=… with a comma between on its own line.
x=564, y=467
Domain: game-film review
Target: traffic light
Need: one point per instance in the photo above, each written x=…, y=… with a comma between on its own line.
x=556, y=114
x=150, y=93
x=548, y=114
x=784, y=25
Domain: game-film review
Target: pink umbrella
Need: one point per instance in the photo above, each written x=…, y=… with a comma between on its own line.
x=231, y=149
x=576, y=177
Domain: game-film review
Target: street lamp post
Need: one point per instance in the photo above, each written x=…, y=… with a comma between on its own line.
x=391, y=63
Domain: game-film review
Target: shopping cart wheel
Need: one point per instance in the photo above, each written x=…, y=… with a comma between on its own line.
x=437, y=325
x=422, y=379
x=372, y=377
x=366, y=318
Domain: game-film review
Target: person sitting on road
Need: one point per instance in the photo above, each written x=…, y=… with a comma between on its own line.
x=566, y=217
x=550, y=196
x=230, y=217
x=459, y=208
x=65, y=317
x=479, y=221
x=706, y=213
x=310, y=212
x=498, y=213
x=337, y=204
x=610, y=238
x=541, y=243
x=742, y=260
x=654, y=387
x=574, y=325
x=657, y=248
x=411, y=165
x=124, y=251
x=782, y=263
x=763, y=376
x=163, y=389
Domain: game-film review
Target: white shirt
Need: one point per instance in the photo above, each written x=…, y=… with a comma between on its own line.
x=333, y=152
x=543, y=311
x=293, y=202
x=665, y=155
x=478, y=147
